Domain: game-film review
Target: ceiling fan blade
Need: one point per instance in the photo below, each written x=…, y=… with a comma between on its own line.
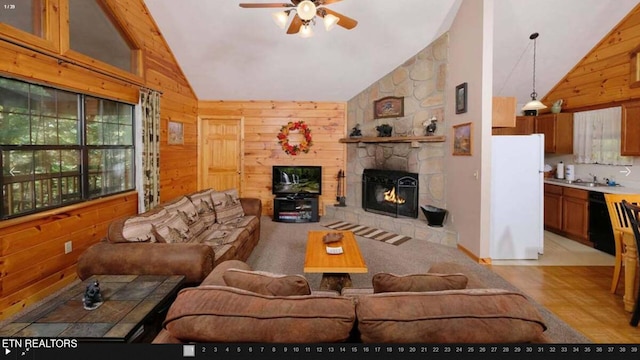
x=296, y=23
x=344, y=21
x=269, y=5
x=326, y=2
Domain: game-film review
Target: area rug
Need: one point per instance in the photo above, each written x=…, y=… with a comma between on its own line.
x=370, y=232
x=282, y=248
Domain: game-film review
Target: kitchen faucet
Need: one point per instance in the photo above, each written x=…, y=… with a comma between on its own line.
x=595, y=179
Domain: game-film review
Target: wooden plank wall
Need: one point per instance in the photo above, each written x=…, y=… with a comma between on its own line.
x=32, y=259
x=602, y=77
x=263, y=120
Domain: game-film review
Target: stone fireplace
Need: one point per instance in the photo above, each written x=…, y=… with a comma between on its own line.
x=392, y=193
x=421, y=82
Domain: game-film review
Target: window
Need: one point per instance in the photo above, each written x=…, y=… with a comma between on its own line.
x=596, y=137
x=93, y=33
x=59, y=147
x=25, y=15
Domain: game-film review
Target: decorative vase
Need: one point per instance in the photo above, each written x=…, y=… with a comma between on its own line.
x=556, y=107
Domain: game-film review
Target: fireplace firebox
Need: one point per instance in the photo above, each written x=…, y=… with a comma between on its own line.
x=390, y=192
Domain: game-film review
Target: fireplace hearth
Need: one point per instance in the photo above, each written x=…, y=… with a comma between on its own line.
x=390, y=192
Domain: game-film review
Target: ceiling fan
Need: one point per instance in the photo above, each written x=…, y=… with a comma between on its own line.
x=305, y=13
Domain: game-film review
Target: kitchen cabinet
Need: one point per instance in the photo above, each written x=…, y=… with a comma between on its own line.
x=557, y=130
x=504, y=112
x=524, y=126
x=566, y=212
x=630, y=128
x=553, y=207
x=575, y=214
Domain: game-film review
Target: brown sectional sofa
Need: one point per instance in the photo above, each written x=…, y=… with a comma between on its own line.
x=189, y=235
x=467, y=313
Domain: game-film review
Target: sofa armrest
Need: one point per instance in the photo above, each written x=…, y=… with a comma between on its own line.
x=251, y=206
x=194, y=261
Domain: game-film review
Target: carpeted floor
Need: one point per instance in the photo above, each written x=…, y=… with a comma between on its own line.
x=282, y=247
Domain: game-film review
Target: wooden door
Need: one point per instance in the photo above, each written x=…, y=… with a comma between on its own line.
x=221, y=153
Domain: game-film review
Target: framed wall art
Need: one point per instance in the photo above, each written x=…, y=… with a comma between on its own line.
x=175, y=133
x=462, y=140
x=461, y=98
x=387, y=107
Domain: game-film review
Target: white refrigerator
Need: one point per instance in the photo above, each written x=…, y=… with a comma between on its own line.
x=517, y=200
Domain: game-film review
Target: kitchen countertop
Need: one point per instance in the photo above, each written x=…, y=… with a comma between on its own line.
x=602, y=189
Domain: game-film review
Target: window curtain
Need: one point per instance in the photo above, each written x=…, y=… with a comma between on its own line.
x=150, y=106
x=596, y=137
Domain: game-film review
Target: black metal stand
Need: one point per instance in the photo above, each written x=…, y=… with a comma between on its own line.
x=340, y=198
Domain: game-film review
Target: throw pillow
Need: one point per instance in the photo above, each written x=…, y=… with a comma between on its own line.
x=266, y=283
x=227, y=205
x=173, y=230
x=383, y=282
x=204, y=205
x=183, y=207
x=140, y=228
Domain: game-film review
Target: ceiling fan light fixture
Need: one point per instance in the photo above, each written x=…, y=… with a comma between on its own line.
x=306, y=10
x=330, y=21
x=306, y=31
x=280, y=18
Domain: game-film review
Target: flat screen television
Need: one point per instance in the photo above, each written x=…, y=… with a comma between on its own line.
x=296, y=180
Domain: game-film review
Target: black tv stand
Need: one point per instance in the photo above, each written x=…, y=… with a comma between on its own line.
x=299, y=208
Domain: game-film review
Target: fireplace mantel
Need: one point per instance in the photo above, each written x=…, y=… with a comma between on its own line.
x=394, y=139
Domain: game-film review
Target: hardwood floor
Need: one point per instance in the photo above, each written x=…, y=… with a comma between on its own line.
x=580, y=296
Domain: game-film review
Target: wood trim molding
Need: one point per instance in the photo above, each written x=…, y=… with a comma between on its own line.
x=479, y=260
x=59, y=212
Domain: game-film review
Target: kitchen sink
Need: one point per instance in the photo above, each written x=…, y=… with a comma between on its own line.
x=579, y=182
x=589, y=184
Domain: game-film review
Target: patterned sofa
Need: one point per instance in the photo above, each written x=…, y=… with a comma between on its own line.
x=237, y=305
x=188, y=236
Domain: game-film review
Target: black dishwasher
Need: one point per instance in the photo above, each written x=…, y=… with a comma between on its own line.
x=600, y=230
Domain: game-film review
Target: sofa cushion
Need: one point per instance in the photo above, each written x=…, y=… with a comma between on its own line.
x=226, y=314
x=172, y=230
x=227, y=205
x=248, y=222
x=384, y=282
x=203, y=203
x=219, y=235
x=452, y=316
x=266, y=283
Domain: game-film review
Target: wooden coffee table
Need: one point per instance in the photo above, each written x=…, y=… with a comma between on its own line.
x=335, y=268
x=133, y=308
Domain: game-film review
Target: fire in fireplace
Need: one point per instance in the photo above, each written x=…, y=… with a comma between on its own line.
x=390, y=192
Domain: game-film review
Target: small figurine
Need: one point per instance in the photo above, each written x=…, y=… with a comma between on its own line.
x=384, y=130
x=430, y=129
x=356, y=132
x=92, y=298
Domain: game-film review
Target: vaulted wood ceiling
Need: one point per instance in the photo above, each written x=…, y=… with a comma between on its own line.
x=228, y=52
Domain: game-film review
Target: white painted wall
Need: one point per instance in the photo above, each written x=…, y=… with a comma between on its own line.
x=468, y=177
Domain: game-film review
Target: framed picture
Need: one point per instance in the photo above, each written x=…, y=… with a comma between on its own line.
x=176, y=133
x=462, y=141
x=461, y=98
x=390, y=106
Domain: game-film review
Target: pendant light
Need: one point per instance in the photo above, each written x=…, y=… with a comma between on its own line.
x=532, y=107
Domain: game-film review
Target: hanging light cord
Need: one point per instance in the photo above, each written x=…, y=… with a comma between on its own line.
x=534, y=95
x=513, y=69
